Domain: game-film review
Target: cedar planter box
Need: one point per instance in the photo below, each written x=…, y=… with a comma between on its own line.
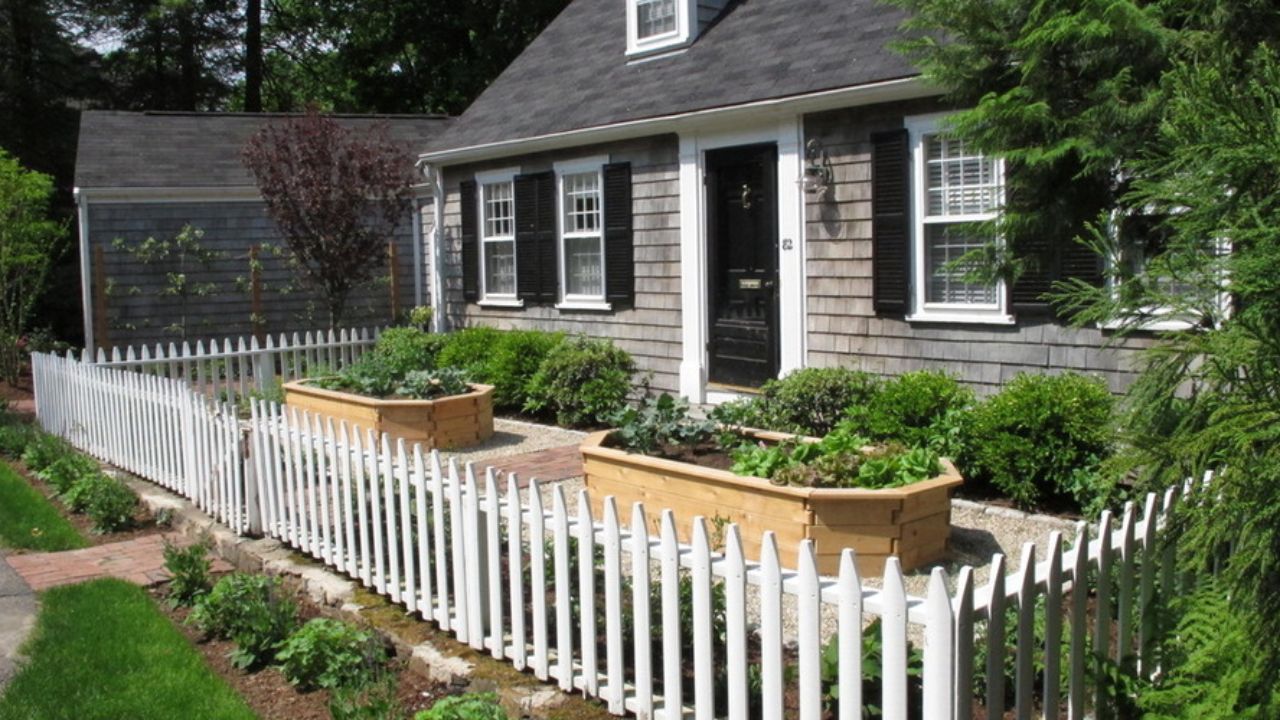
x=446, y=422
x=911, y=522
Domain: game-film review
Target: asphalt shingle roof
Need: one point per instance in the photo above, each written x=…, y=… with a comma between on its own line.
x=576, y=74
x=175, y=150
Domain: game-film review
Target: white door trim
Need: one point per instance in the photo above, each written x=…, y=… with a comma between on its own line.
x=787, y=134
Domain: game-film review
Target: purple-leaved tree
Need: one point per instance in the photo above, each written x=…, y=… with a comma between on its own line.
x=336, y=196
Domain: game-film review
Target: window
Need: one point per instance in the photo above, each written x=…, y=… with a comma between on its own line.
x=581, y=231
x=955, y=187
x=654, y=25
x=497, y=235
x=655, y=17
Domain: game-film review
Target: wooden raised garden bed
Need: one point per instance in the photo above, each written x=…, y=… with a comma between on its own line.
x=911, y=522
x=446, y=422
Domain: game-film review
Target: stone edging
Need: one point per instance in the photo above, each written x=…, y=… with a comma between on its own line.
x=1011, y=513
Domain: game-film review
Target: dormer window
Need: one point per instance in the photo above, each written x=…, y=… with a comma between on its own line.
x=654, y=25
x=655, y=18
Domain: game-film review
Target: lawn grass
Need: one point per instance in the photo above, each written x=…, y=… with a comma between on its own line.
x=28, y=520
x=102, y=650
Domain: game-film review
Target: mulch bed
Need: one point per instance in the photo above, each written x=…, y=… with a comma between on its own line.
x=267, y=691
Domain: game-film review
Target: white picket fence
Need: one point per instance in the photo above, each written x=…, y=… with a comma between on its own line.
x=594, y=604
x=233, y=367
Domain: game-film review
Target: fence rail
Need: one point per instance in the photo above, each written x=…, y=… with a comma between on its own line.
x=598, y=605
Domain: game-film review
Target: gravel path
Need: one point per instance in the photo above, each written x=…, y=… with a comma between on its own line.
x=514, y=437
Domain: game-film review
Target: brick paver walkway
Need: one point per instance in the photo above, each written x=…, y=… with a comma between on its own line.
x=139, y=561
x=559, y=463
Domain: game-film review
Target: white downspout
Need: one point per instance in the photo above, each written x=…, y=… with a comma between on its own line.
x=439, y=321
x=86, y=284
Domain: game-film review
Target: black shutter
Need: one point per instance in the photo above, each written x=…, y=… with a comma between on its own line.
x=890, y=218
x=470, y=243
x=619, y=256
x=1040, y=259
x=536, y=276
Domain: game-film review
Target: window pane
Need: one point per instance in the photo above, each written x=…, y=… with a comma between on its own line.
x=500, y=267
x=584, y=266
x=582, y=203
x=655, y=17
x=958, y=180
x=945, y=244
x=499, y=210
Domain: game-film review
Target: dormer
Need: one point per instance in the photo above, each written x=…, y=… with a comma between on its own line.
x=657, y=25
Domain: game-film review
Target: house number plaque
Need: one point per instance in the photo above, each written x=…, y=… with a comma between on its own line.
x=749, y=283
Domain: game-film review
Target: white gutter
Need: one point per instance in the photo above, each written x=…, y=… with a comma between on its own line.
x=885, y=91
x=86, y=290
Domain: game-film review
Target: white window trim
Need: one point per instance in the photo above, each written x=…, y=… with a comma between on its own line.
x=686, y=20
x=1159, y=318
x=987, y=313
x=580, y=166
x=490, y=177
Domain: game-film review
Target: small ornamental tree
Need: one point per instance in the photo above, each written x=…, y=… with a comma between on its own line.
x=29, y=244
x=335, y=195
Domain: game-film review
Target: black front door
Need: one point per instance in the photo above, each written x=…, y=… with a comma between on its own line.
x=742, y=236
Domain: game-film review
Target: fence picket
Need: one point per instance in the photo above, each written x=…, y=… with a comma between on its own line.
x=995, y=639
x=939, y=648
x=735, y=593
x=640, y=573
x=515, y=572
x=493, y=559
x=538, y=583
x=672, y=675
x=1102, y=610
x=564, y=622
x=587, y=624
x=894, y=642
x=614, y=691
x=1024, y=675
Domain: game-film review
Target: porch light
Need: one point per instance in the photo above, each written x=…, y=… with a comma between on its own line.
x=817, y=169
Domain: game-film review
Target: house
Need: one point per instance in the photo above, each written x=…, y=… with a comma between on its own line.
x=146, y=175
x=732, y=191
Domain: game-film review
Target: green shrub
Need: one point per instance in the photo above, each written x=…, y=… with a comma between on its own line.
x=371, y=375
x=406, y=349
x=513, y=362
x=1039, y=441
x=471, y=706
x=43, y=449
x=189, y=568
x=63, y=474
x=582, y=382
x=251, y=611
x=14, y=438
x=470, y=349
x=328, y=653
x=111, y=505
x=918, y=409
x=811, y=401
x=376, y=700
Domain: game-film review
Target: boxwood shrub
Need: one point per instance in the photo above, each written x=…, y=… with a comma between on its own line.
x=924, y=408
x=513, y=361
x=811, y=401
x=470, y=349
x=1040, y=440
x=404, y=350
x=582, y=382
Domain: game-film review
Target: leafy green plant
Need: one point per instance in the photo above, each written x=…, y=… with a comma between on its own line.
x=840, y=459
x=327, y=653
x=582, y=382
x=43, y=450
x=111, y=504
x=189, y=571
x=428, y=384
x=655, y=422
x=513, y=362
x=376, y=700
x=917, y=409
x=15, y=436
x=1040, y=440
x=407, y=349
x=372, y=375
x=250, y=610
x=872, y=671
x=471, y=706
x=63, y=474
x=470, y=349
x=813, y=401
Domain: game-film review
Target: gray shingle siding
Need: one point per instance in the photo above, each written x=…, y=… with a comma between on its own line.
x=843, y=329
x=230, y=228
x=651, y=330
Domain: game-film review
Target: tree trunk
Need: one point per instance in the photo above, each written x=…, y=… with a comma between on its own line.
x=253, y=56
